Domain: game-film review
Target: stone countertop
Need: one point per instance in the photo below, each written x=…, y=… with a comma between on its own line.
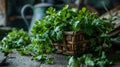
x=25, y=61
x=16, y=60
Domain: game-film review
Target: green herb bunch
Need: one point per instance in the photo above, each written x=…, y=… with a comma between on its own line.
x=51, y=28
x=95, y=61
x=15, y=39
x=56, y=22
x=39, y=48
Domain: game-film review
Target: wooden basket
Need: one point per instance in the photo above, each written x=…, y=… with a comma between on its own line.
x=73, y=43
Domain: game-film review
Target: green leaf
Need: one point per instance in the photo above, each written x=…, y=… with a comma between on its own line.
x=59, y=35
x=40, y=57
x=84, y=9
x=103, y=35
x=73, y=62
x=66, y=7
x=101, y=63
x=103, y=55
x=89, y=62
x=49, y=60
x=98, y=48
x=50, y=10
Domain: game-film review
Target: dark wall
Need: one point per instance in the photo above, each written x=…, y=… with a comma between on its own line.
x=13, y=11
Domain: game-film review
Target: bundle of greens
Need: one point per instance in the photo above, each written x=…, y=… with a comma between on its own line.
x=15, y=39
x=51, y=28
x=95, y=61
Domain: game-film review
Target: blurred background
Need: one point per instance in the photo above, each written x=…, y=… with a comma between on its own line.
x=17, y=13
